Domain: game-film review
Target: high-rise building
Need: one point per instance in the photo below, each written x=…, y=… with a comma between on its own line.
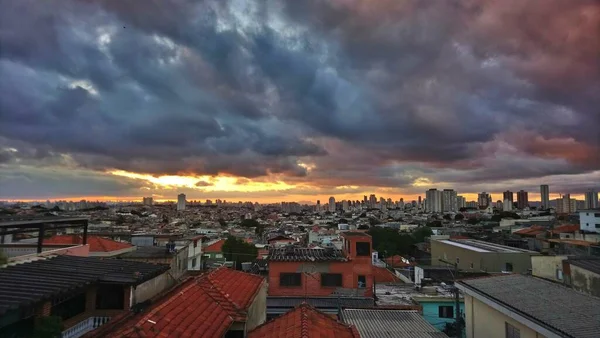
x=372, y=201
x=461, y=202
x=484, y=199
x=499, y=205
x=419, y=200
x=401, y=204
x=180, y=202
x=318, y=207
x=331, y=205
x=522, y=199
x=591, y=199
x=345, y=206
x=433, y=199
x=472, y=204
x=449, y=200
x=507, y=205
x=508, y=195
x=148, y=201
x=566, y=204
x=545, y=196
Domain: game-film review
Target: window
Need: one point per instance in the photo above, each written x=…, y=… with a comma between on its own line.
x=597, y=214
x=363, y=249
x=362, y=281
x=508, y=267
x=471, y=265
x=511, y=331
x=68, y=308
x=290, y=279
x=193, y=262
x=446, y=311
x=331, y=279
x=597, y=226
x=110, y=297
x=218, y=255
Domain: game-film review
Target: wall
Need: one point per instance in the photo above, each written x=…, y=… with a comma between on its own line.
x=23, y=252
x=585, y=281
x=547, y=266
x=431, y=311
x=484, y=321
x=151, y=288
x=257, y=312
x=588, y=221
x=311, y=284
x=194, y=252
x=481, y=261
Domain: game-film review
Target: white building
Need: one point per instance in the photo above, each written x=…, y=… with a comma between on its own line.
x=591, y=199
x=589, y=220
x=484, y=199
x=566, y=204
x=331, y=204
x=433, y=200
x=507, y=205
x=180, y=202
x=545, y=195
x=461, y=202
x=449, y=200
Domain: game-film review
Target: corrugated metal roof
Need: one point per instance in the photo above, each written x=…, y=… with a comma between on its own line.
x=295, y=254
x=390, y=324
x=558, y=308
x=589, y=263
x=320, y=302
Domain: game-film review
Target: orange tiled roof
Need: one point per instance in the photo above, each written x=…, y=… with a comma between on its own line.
x=304, y=322
x=96, y=243
x=531, y=231
x=215, y=247
x=396, y=261
x=208, y=304
x=383, y=275
x=565, y=229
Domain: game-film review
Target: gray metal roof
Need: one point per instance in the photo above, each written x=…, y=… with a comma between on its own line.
x=296, y=254
x=390, y=324
x=557, y=308
x=586, y=262
x=321, y=303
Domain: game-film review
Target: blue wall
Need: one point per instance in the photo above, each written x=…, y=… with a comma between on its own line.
x=431, y=312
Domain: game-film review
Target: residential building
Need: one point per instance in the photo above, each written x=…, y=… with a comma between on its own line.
x=476, y=255
x=331, y=204
x=522, y=199
x=304, y=321
x=508, y=195
x=499, y=205
x=566, y=205
x=433, y=200
x=484, y=199
x=213, y=252
x=174, y=256
x=449, y=200
x=591, y=199
x=472, y=204
x=582, y=273
x=99, y=246
x=589, y=220
x=295, y=271
x=148, y=201
x=439, y=311
x=372, y=201
x=221, y=303
x=545, y=196
x=194, y=259
x=83, y=292
x=181, y=202
x=515, y=305
x=461, y=202
x=345, y=206
x=389, y=323
x=507, y=205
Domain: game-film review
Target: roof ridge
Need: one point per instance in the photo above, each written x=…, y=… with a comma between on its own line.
x=304, y=321
x=225, y=295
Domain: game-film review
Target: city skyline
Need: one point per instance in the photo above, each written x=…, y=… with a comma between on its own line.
x=297, y=100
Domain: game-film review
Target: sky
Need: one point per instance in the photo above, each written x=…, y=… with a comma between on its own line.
x=274, y=100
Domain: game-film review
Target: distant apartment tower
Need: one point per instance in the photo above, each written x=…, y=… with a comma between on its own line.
x=508, y=195
x=180, y=202
x=345, y=206
x=484, y=199
x=318, y=207
x=566, y=205
x=372, y=201
x=148, y=201
x=433, y=200
x=507, y=205
x=591, y=199
x=545, y=196
x=331, y=206
x=522, y=199
x=461, y=202
x=419, y=199
x=449, y=200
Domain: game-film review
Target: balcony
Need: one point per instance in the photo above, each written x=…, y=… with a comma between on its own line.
x=84, y=327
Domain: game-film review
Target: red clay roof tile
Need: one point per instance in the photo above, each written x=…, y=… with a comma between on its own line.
x=96, y=243
x=383, y=275
x=215, y=247
x=304, y=322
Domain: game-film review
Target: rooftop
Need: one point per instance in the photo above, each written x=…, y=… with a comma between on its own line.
x=50, y=277
x=209, y=304
x=390, y=324
x=296, y=254
x=355, y=233
x=216, y=246
x=147, y=252
x=590, y=263
x=481, y=246
x=35, y=220
x=394, y=294
x=304, y=322
x=96, y=243
x=558, y=309
x=325, y=304
x=383, y=275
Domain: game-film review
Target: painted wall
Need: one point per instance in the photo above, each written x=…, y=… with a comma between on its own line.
x=547, y=266
x=153, y=287
x=431, y=312
x=585, y=281
x=589, y=221
x=484, y=321
x=257, y=312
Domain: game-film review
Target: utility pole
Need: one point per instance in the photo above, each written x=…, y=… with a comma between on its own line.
x=456, y=298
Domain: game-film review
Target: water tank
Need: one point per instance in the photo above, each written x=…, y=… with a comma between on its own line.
x=246, y=266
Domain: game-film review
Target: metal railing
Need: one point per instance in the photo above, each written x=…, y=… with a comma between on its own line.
x=84, y=327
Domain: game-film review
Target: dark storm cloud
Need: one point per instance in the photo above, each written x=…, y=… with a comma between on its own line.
x=376, y=93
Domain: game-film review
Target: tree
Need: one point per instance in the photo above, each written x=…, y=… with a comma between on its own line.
x=48, y=327
x=389, y=242
x=363, y=227
x=447, y=217
x=459, y=217
x=249, y=223
x=472, y=221
x=239, y=251
x=374, y=221
x=301, y=228
x=421, y=233
x=222, y=222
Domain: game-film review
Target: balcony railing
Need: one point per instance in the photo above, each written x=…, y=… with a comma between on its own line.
x=84, y=327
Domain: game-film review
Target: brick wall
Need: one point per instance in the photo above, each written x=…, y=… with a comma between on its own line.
x=44, y=309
